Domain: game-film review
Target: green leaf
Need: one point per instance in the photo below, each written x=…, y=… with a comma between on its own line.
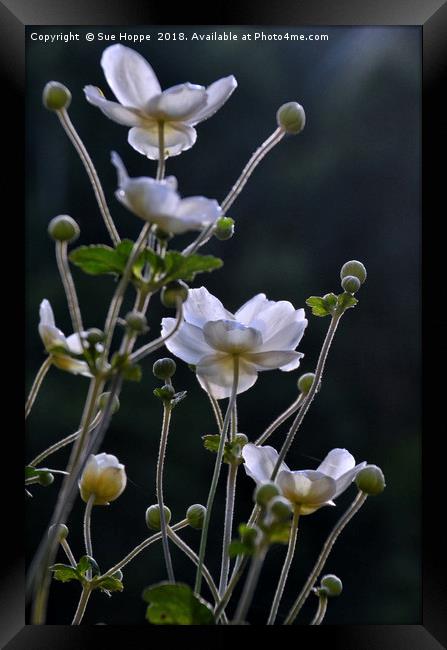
x=237, y=547
x=111, y=584
x=132, y=372
x=85, y=563
x=65, y=573
x=97, y=259
x=33, y=472
x=211, y=442
x=322, y=306
x=345, y=301
x=181, y=267
x=176, y=604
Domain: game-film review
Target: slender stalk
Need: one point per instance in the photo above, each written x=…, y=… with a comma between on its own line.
x=167, y=410
x=87, y=530
x=237, y=188
x=310, y=395
x=228, y=526
x=30, y=481
x=157, y=343
x=69, y=286
x=161, y=151
x=66, y=546
x=285, y=569
x=62, y=443
x=280, y=420
x=250, y=584
x=329, y=543
x=92, y=174
x=138, y=549
x=80, y=611
x=216, y=474
x=216, y=408
x=37, y=383
x=321, y=610
x=235, y=577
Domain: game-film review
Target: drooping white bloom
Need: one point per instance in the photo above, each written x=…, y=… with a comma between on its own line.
x=142, y=104
x=58, y=345
x=262, y=335
x=104, y=477
x=158, y=202
x=309, y=489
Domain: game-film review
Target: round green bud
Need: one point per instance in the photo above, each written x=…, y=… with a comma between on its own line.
x=280, y=508
x=103, y=400
x=45, y=478
x=166, y=392
x=56, y=96
x=62, y=531
x=291, y=117
x=172, y=292
x=265, y=492
x=118, y=575
x=370, y=480
x=331, y=585
x=137, y=322
x=153, y=519
x=164, y=368
x=95, y=335
x=196, y=516
x=353, y=268
x=250, y=535
x=305, y=382
x=351, y=284
x=63, y=228
x=224, y=228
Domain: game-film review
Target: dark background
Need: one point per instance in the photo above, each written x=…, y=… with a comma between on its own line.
x=348, y=187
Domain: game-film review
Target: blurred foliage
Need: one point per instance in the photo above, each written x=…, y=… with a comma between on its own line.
x=347, y=187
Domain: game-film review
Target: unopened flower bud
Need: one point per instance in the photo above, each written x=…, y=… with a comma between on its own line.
x=331, y=585
x=265, y=492
x=95, y=335
x=196, y=516
x=164, y=368
x=224, y=228
x=63, y=228
x=249, y=535
x=104, y=478
x=305, y=382
x=280, y=508
x=291, y=117
x=153, y=518
x=173, y=292
x=56, y=96
x=103, y=400
x=166, y=392
x=351, y=284
x=62, y=531
x=370, y=480
x=240, y=439
x=137, y=322
x=353, y=268
x=45, y=478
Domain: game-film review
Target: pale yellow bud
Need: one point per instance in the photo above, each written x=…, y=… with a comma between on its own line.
x=104, y=477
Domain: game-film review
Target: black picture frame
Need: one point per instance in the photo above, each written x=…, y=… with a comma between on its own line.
x=431, y=16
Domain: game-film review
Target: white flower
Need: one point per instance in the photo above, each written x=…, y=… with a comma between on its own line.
x=309, y=489
x=104, y=477
x=158, y=202
x=58, y=345
x=142, y=104
x=262, y=334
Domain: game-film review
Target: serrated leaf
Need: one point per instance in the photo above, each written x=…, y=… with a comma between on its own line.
x=111, y=584
x=85, y=563
x=345, y=301
x=211, y=442
x=181, y=267
x=176, y=604
x=237, y=547
x=97, y=259
x=65, y=573
x=319, y=306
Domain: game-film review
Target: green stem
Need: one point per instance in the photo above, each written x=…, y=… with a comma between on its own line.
x=250, y=584
x=92, y=174
x=238, y=570
x=161, y=151
x=321, y=610
x=329, y=543
x=37, y=383
x=87, y=530
x=215, y=407
x=82, y=605
x=228, y=526
x=216, y=474
x=159, y=488
x=285, y=569
x=158, y=343
x=280, y=420
x=69, y=286
x=66, y=546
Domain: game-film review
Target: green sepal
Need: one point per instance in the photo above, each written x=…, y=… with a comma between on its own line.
x=176, y=604
x=85, y=563
x=65, y=573
x=322, y=306
x=345, y=301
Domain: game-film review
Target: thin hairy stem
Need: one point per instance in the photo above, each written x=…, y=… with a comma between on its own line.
x=321, y=610
x=92, y=174
x=280, y=420
x=228, y=526
x=167, y=410
x=87, y=530
x=250, y=584
x=157, y=343
x=37, y=383
x=69, y=286
x=285, y=569
x=161, y=151
x=216, y=474
x=66, y=546
x=329, y=543
x=82, y=605
x=215, y=407
x=238, y=570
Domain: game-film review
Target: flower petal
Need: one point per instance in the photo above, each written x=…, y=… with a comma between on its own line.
x=251, y=308
x=273, y=359
x=216, y=95
x=129, y=75
x=188, y=343
x=177, y=103
x=274, y=317
x=51, y=336
x=230, y=336
x=76, y=367
x=346, y=479
x=199, y=211
x=113, y=110
x=178, y=138
x=74, y=343
x=286, y=337
x=215, y=373
x=148, y=199
x=201, y=306
x=336, y=463
x=306, y=487
x=260, y=462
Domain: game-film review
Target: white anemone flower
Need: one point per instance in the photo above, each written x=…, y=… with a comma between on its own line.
x=104, y=477
x=261, y=335
x=58, y=346
x=158, y=202
x=143, y=105
x=308, y=489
